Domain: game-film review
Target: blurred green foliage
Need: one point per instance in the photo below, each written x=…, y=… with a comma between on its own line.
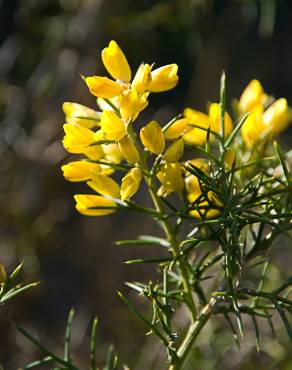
x=44, y=45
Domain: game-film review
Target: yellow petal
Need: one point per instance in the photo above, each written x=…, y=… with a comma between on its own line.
x=152, y=137
x=164, y=78
x=142, y=78
x=253, y=129
x=94, y=205
x=277, y=117
x=112, y=152
x=128, y=150
x=175, y=151
x=105, y=185
x=132, y=103
x=80, y=170
x=252, y=96
x=115, y=62
x=103, y=87
x=77, y=138
x=112, y=126
x=214, y=116
x=178, y=128
x=171, y=177
x=130, y=183
x=79, y=114
x=94, y=152
x=196, y=136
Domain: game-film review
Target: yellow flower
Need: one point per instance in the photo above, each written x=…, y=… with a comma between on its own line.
x=112, y=126
x=164, y=78
x=260, y=124
x=128, y=150
x=112, y=152
x=103, y=87
x=142, y=78
x=80, y=170
x=105, y=185
x=152, y=137
x=132, y=103
x=195, y=135
x=115, y=62
x=77, y=138
x=94, y=205
x=178, y=128
x=130, y=183
x=2, y=274
x=171, y=177
x=277, y=117
x=175, y=151
x=214, y=116
x=198, y=136
x=252, y=96
x=80, y=115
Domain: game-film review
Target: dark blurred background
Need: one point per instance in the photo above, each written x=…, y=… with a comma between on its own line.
x=44, y=45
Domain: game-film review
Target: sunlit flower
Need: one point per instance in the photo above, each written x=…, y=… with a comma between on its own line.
x=112, y=126
x=152, y=137
x=171, y=177
x=164, y=78
x=80, y=170
x=175, y=151
x=105, y=185
x=130, y=183
x=94, y=205
x=79, y=114
x=128, y=150
x=252, y=96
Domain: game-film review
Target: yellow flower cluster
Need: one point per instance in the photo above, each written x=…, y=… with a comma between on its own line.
x=108, y=140
x=266, y=118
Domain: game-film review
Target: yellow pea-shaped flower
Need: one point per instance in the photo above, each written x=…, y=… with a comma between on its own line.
x=105, y=185
x=252, y=96
x=130, y=183
x=112, y=126
x=277, y=117
x=79, y=114
x=132, y=103
x=196, y=135
x=115, y=62
x=204, y=210
x=142, y=78
x=171, y=177
x=103, y=87
x=177, y=129
x=94, y=205
x=152, y=137
x=164, y=78
x=128, y=150
x=77, y=138
x=253, y=129
x=175, y=151
x=214, y=117
x=80, y=170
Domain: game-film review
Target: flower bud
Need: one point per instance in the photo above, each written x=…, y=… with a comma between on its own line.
x=77, y=138
x=178, y=128
x=130, y=183
x=94, y=205
x=152, y=137
x=175, y=151
x=115, y=62
x=128, y=150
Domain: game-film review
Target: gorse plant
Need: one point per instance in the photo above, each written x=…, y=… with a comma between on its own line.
x=219, y=187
